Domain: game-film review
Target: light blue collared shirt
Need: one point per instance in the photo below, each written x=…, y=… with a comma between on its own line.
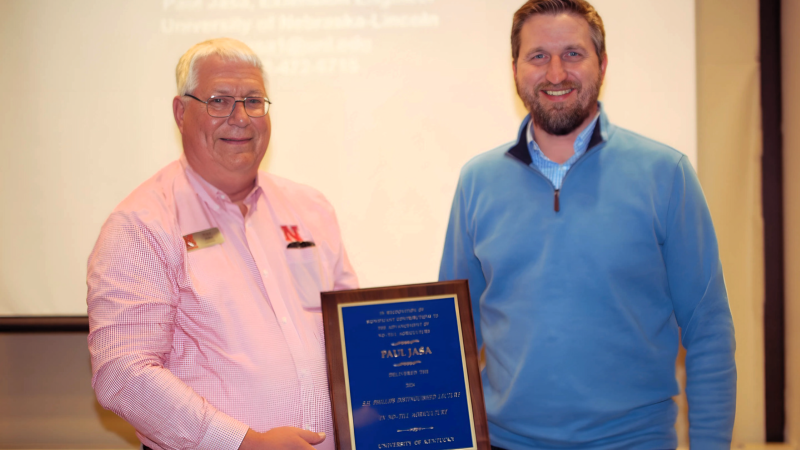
x=553, y=171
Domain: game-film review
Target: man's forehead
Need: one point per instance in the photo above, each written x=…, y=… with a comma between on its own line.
x=227, y=76
x=224, y=88
x=562, y=30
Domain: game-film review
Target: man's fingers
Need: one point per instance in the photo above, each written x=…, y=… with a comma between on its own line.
x=281, y=438
x=312, y=437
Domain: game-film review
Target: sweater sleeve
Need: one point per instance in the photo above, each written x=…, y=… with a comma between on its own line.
x=132, y=306
x=701, y=308
x=459, y=260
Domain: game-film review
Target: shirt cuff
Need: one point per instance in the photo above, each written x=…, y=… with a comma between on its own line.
x=224, y=432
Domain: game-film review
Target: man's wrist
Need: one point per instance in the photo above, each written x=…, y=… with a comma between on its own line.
x=224, y=432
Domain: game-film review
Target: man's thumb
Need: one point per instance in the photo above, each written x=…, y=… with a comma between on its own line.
x=312, y=438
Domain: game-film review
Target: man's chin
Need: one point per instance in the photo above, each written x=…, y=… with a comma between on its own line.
x=561, y=127
x=241, y=162
x=558, y=120
x=560, y=107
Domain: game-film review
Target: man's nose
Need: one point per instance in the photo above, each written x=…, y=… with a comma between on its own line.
x=239, y=116
x=555, y=71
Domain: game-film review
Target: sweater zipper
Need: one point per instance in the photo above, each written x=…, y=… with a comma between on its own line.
x=557, y=191
x=556, y=205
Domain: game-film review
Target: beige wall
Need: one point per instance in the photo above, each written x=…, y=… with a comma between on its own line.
x=790, y=15
x=729, y=152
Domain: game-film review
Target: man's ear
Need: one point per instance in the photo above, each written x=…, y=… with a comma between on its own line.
x=178, y=110
x=603, y=66
x=514, y=68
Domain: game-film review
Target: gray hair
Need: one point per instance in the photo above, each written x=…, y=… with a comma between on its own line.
x=227, y=48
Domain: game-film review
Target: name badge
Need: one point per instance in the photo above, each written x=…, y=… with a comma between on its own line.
x=203, y=239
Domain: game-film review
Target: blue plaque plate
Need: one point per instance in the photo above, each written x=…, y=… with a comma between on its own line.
x=405, y=374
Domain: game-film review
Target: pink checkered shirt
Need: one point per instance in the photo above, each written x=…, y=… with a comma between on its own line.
x=192, y=348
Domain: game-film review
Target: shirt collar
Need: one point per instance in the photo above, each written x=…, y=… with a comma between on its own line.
x=209, y=193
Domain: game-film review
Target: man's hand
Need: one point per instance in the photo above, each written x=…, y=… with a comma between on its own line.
x=283, y=438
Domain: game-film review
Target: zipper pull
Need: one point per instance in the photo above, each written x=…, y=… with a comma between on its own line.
x=556, y=203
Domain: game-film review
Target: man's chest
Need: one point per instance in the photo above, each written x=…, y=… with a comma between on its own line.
x=266, y=272
x=604, y=220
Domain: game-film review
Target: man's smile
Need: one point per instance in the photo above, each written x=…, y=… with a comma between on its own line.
x=236, y=141
x=556, y=95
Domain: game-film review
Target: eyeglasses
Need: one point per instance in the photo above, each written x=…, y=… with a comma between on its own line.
x=223, y=105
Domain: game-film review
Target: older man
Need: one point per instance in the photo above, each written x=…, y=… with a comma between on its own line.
x=588, y=248
x=204, y=283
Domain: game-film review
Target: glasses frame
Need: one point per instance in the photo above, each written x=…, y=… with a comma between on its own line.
x=266, y=110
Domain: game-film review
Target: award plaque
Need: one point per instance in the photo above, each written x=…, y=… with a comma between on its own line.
x=403, y=368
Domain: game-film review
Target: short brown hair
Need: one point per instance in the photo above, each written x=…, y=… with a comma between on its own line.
x=579, y=7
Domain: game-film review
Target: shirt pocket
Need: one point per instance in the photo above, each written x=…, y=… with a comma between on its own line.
x=311, y=274
x=301, y=255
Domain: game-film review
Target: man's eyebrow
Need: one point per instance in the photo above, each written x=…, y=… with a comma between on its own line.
x=535, y=50
x=575, y=47
x=568, y=47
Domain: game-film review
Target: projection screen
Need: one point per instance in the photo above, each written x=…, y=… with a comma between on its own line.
x=377, y=103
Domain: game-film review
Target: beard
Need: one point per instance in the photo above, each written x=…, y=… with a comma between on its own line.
x=563, y=118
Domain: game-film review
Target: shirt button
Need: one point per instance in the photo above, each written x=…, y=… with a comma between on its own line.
x=215, y=207
x=264, y=272
x=283, y=319
x=306, y=426
x=249, y=224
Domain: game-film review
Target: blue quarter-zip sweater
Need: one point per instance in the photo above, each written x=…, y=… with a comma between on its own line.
x=578, y=296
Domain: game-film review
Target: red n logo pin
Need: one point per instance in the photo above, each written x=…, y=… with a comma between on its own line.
x=291, y=234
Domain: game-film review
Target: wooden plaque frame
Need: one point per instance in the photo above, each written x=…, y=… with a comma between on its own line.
x=336, y=369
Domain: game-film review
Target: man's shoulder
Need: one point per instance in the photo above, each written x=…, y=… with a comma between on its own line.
x=298, y=194
x=624, y=140
x=154, y=198
x=488, y=162
x=147, y=214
